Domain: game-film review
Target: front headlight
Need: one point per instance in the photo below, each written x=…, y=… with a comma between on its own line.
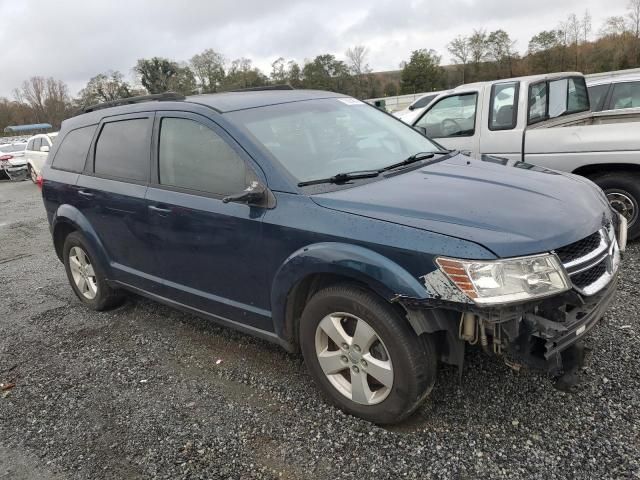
x=504, y=281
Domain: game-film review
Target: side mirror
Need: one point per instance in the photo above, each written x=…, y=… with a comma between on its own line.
x=422, y=130
x=411, y=107
x=44, y=149
x=254, y=193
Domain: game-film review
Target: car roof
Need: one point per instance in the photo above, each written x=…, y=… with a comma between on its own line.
x=616, y=78
x=231, y=101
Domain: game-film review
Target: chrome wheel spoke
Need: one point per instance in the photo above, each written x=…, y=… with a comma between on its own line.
x=360, y=391
x=331, y=326
x=89, y=271
x=331, y=362
x=82, y=285
x=364, y=336
x=380, y=370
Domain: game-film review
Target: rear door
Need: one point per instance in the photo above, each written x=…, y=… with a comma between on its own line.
x=111, y=194
x=209, y=252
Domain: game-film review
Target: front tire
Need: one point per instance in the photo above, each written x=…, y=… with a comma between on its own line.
x=623, y=192
x=86, y=276
x=364, y=356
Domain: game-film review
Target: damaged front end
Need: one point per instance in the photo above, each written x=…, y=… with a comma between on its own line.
x=571, y=287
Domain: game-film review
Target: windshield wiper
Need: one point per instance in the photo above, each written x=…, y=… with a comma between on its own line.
x=342, y=177
x=416, y=157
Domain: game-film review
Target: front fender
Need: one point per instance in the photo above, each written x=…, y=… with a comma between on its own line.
x=68, y=215
x=382, y=275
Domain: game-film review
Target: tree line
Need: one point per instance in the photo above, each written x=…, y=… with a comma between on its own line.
x=479, y=56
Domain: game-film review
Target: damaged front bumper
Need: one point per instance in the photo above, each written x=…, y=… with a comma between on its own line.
x=535, y=334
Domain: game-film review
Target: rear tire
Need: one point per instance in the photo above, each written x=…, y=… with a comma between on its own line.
x=86, y=276
x=385, y=378
x=32, y=174
x=623, y=191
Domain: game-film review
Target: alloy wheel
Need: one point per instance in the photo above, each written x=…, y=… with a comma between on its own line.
x=82, y=272
x=354, y=358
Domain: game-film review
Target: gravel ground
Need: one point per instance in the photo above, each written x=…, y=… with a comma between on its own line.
x=145, y=391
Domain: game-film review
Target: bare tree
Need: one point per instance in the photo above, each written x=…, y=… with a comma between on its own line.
x=460, y=50
x=47, y=98
x=358, y=66
x=478, y=47
x=573, y=28
x=615, y=25
x=634, y=17
x=586, y=26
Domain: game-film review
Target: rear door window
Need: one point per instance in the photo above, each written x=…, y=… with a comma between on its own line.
x=625, y=95
x=30, y=144
x=194, y=157
x=73, y=150
x=504, y=106
x=596, y=96
x=122, y=149
x=37, y=143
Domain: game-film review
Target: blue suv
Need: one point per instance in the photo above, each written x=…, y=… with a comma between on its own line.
x=320, y=223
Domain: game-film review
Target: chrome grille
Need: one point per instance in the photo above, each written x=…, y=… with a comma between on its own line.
x=591, y=262
x=580, y=248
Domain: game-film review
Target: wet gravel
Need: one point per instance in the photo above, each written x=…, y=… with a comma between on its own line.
x=145, y=391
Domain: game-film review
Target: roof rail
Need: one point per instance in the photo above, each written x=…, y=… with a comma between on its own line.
x=158, y=97
x=282, y=86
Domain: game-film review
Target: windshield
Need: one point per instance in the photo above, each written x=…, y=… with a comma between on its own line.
x=320, y=138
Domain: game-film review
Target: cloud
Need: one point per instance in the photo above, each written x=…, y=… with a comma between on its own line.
x=73, y=40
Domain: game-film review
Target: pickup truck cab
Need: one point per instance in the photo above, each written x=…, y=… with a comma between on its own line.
x=320, y=223
x=544, y=120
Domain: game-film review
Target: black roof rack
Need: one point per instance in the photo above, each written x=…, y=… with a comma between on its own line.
x=283, y=86
x=158, y=97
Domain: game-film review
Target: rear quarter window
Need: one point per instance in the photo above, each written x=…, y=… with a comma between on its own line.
x=122, y=150
x=73, y=150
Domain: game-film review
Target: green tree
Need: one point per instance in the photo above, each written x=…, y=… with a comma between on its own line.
x=160, y=75
x=242, y=74
x=422, y=73
x=209, y=70
x=279, y=71
x=478, y=49
x=104, y=87
x=326, y=73
x=294, y=74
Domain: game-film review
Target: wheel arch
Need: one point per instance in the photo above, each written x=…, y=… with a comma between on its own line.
x=69, y=219
x=316, y=266
x=596, y=169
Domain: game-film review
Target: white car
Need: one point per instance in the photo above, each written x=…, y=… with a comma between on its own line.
x=36, y=153
x=12, y=162
x=614, y=92
x=413, y=111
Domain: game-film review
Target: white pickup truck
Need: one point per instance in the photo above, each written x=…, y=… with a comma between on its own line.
x=544, y=120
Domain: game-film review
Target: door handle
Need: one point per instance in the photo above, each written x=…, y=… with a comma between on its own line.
x=85, y=194
x=159, y=209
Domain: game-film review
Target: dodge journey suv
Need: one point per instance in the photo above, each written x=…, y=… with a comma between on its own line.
x=318, y=222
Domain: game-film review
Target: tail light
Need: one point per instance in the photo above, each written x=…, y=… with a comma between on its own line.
x=39, y=181
x=6, y=157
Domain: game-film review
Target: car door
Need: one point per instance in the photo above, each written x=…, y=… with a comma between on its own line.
x=111, y=195
x=451, y=121
x=209, y=253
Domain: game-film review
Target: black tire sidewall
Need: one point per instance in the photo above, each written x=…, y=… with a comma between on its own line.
x=414, y=367
x=75, y=239
x=628, y=184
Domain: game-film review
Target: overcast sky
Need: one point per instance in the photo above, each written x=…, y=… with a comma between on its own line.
x=73, y=40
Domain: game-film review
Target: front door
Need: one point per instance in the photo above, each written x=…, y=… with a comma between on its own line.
x=209, y=253
x=451, y=121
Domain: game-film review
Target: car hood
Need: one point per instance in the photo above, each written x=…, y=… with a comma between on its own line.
x=510, y=208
